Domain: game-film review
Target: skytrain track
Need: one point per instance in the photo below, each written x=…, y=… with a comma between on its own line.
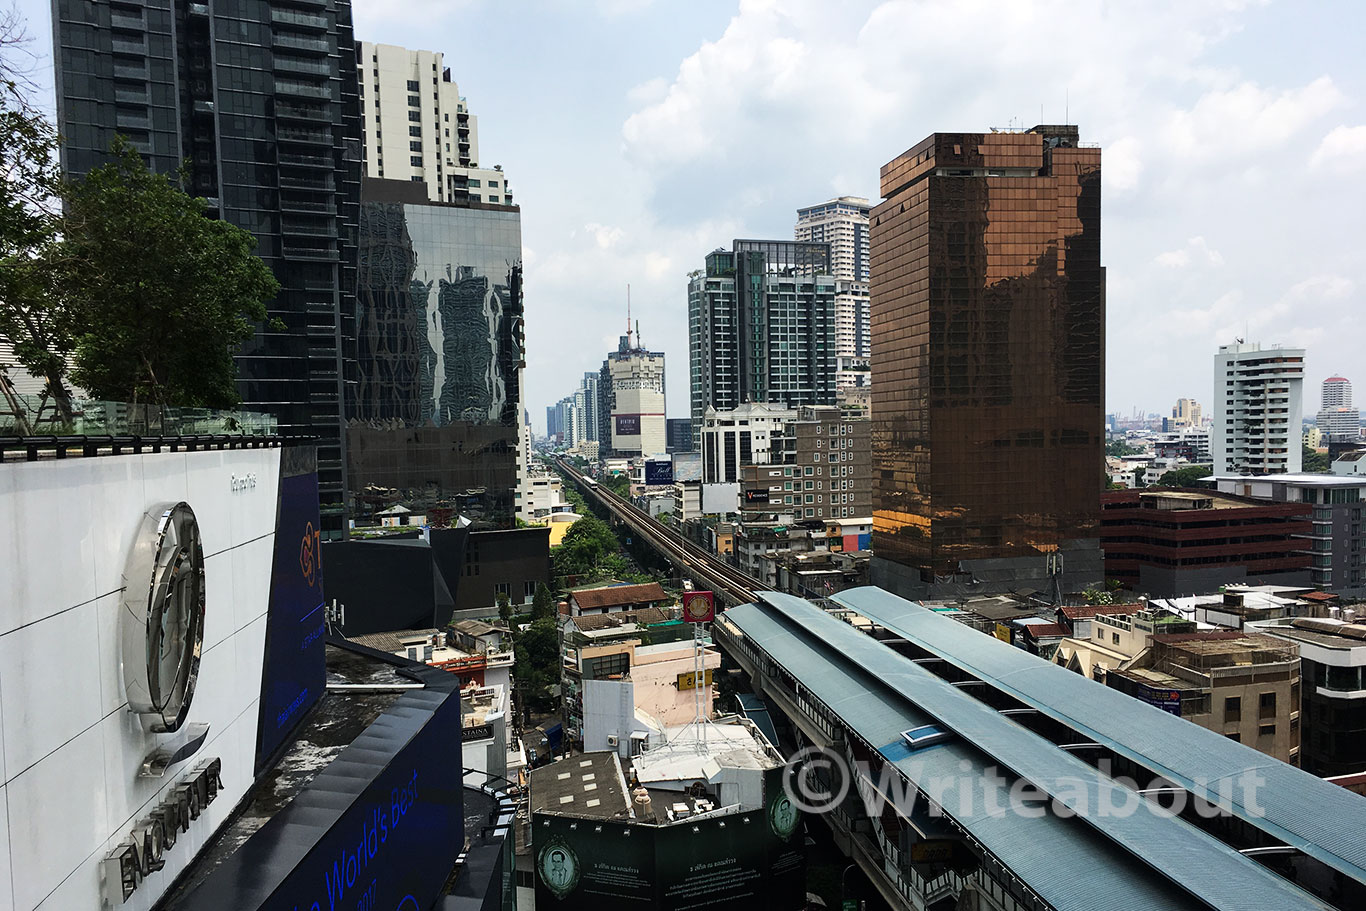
x=731, y=585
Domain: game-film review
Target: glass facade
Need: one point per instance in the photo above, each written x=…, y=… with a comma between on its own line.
x=260, y=100
x=761, y=327
x=988, y=319
x=436, y=411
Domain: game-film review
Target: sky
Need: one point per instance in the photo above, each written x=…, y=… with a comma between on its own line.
x=640, y=134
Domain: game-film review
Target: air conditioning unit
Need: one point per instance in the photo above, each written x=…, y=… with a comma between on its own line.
x=612, y=740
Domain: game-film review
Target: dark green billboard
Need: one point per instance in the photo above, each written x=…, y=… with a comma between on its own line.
x=741, y=861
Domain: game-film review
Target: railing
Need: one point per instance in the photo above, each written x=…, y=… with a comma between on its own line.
x=39, y=415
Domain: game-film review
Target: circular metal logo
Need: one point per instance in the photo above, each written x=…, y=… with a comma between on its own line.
x=163, y=616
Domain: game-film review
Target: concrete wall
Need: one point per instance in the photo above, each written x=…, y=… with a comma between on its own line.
x=69, y=789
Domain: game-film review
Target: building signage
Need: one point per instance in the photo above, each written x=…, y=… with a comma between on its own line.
x=757, y=496
x=626, y=425
x=473, y=732
x=699, y=607
x=658, y=472
x=688, y=681
x=1003, y=632
x=143, y=852
x=1166, y=700
x=163, y=617
x=294, y=675
x=241, y=482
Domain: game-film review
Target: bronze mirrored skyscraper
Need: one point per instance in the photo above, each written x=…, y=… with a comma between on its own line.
x=988, y=319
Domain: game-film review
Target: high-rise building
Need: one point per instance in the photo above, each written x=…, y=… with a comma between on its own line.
x=260, y=102
x=678, y=434
x=588, y=391
x=1185, y=413
x=418, y=126
x=437, y=415
x=988, y=313
x=1337, y=418
x=635, y=409
x=761, y=327
x=1257, y=407
x=843, y=224
x=739, y=437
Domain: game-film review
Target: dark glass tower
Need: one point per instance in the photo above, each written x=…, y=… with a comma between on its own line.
x=260, y=101
x=761, y=327
x=436, y=415
x=988, y=319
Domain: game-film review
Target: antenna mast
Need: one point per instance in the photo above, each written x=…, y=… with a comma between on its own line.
x=628, y=314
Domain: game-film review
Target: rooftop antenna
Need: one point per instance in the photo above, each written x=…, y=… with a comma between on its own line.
x=628, y=314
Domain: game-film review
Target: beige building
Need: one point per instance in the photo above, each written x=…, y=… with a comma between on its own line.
x=636, y=421
x=1246, y=687
x=419, y=127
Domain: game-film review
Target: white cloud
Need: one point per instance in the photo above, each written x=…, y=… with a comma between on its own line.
x=1195, y=250
x=605, y=236
x=1248, y=118
x=1342, y=150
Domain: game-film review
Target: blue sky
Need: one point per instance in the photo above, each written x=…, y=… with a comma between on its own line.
x=639, y=135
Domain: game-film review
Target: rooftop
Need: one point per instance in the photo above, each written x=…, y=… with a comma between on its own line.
x=591, y=785
x=618, y=596
x=643, y=617
x=1301, y=479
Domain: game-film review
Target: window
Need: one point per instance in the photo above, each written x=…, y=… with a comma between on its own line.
x=1266, y=705
x=1114, y=638
x=412, y=85
x=474, y=182
x=1233, y=709
x=810, y=513
x=502, y=590
x=528, y=592
x=415, y=115
x=1266, y=730
x=414, y=131
x=414, y=101
x=414, y=146
x=415, y=160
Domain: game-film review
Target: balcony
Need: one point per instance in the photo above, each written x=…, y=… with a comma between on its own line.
x=298, y=19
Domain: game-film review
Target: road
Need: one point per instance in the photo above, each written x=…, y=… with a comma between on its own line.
x=706, y=569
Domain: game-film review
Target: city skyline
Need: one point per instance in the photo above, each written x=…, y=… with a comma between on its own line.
x=1215, y=142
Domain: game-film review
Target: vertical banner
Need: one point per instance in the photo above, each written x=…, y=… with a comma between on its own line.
x=294, y=672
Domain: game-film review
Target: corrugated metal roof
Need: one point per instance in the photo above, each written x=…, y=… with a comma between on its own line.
x=1060, y=859
x=875, y=688
x=1292, y=806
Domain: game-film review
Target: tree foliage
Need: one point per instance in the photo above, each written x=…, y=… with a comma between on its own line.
x=1189, y=476
x=163, y=294
x=543, y=603
x=1119, y=448
x=31, y=316
x=1316, y=461
x=585, y=546
x=538, y=664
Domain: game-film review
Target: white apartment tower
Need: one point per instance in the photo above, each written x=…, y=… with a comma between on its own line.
x=636, y=422
x=1337, y=419
x=418, y=127
x=1257, y=407
x=843, y=224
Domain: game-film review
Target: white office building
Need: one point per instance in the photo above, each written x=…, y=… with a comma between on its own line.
x=1258, y=400
x=738, y=437
x=636, y=399
x=419, y=127
x=843, y=224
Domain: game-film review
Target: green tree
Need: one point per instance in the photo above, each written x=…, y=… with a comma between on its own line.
x=1119, y=448
x=1316, y=461
x=505, y=611
x=32, y=318
x=1189, y=476
x=538, y=663
x=163, y=293
x=584, y=546
x=543, y=603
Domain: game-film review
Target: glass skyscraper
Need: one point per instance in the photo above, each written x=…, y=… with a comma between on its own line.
x=988, y=313
x=259, y=100
x=437, y=412
x=761, y=327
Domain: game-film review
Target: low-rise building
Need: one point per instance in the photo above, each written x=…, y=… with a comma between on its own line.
x=1173, y=542
x=1333, y=689
x=1334, y=543
x=616, y=598
x=738, y=437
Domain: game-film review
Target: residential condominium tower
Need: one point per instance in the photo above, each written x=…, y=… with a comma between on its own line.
x=761, y=327
x=1337, y=418
x=988, y=315
x=1257, y=406
x=843, y=224
x=419, y=127
x=259, y=102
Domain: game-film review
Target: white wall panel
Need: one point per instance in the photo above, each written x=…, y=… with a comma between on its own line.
x=48, y=697
x=57, y=818
x=70, y=785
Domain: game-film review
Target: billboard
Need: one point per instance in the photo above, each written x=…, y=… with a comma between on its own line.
x=626, y=425
x=294, y=673
x=759, y=497
x=658, y=471
x=741, y=861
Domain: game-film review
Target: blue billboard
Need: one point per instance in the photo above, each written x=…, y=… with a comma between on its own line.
x=294, y=673
x=658, y=472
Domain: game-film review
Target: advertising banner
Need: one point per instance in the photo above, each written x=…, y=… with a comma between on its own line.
x=626, y=425
x=294, y=672
x=658, y=471
x=759, y=497
x=741, y=862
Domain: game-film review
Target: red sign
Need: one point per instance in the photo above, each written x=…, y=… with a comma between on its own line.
x=699, y=607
